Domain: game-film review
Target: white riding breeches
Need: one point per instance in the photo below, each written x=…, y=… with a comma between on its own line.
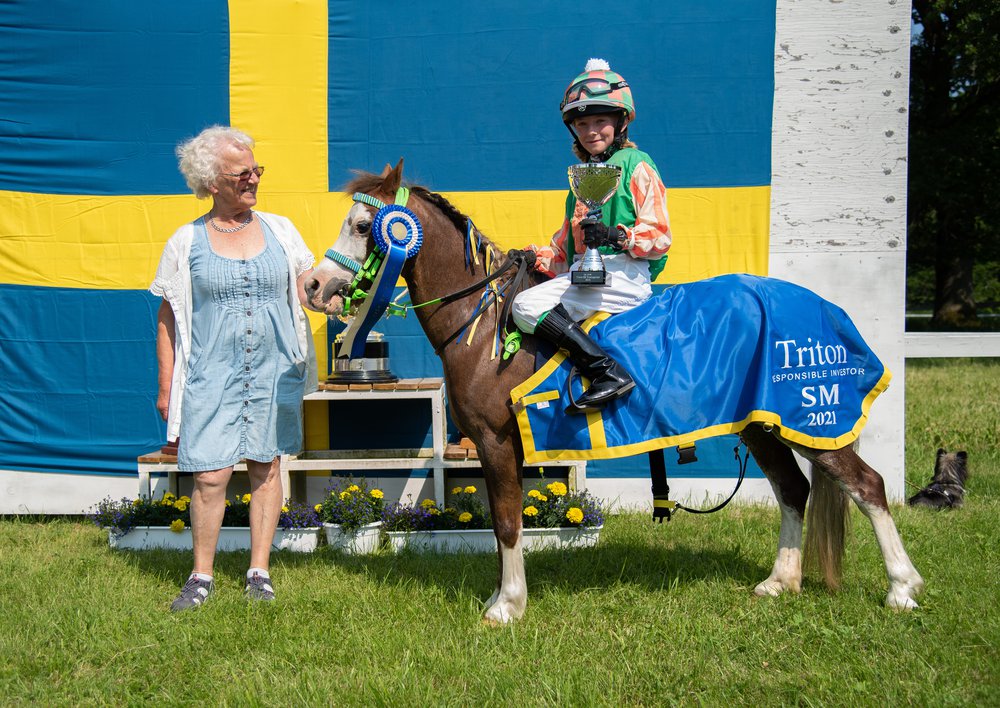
x=627, y=287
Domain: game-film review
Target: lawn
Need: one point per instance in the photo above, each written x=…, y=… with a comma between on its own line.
x=653, y=615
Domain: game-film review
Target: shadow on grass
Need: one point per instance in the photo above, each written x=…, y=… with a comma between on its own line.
x=174, y=566
x=648, y=565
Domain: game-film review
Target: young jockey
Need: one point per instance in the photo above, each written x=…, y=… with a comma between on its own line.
x=633, y=236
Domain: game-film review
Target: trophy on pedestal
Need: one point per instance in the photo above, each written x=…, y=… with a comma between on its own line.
x=593, y=184
x=372, y=367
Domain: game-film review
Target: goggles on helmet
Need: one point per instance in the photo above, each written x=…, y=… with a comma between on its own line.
x=591, y=87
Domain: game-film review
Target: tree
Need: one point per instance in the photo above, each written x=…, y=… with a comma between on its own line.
x=954, y=150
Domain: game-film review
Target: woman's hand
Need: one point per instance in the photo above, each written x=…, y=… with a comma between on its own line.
x=163, y=402
x=300, y=288
x=165, y=339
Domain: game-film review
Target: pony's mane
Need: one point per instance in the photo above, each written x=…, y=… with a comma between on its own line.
x=369, y=183
x=363, y=182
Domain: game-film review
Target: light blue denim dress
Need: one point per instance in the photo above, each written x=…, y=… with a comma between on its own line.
x=243, y=398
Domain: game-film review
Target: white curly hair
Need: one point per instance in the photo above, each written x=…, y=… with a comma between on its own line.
x=198, y=157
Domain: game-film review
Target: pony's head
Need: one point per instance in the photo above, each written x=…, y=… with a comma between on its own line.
x=335, y=272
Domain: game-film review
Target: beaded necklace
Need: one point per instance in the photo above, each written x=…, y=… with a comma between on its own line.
x=211, y=220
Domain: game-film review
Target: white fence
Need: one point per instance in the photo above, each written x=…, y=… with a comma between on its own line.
x=923, y=345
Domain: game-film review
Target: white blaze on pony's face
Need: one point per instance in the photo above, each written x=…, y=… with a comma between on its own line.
x=323, y=290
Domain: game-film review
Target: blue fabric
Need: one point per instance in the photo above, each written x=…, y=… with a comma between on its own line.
x=708, y=358
x=411, y=356
x=95, y=96
x=702, y=75
x=77, y=379
x=244, y=388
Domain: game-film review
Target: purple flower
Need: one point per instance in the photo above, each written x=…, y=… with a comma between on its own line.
x=299, y=516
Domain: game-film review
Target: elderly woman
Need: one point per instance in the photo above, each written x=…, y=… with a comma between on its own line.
x=234, y=348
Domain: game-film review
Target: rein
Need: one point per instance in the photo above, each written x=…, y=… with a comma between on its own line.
x=514, y=258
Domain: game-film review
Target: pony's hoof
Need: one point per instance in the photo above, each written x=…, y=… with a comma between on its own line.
x=768, y=588
x=497, y=620
x=499, y=615
x=773, y=588
x=902, y=593
x=902, y=600
x=901, y=604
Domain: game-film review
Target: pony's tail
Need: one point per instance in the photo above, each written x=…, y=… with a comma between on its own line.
x=826, y=528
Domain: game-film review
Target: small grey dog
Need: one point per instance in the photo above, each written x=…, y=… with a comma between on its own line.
x=947, y=487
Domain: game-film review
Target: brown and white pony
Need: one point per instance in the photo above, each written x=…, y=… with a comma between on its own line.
x=479, y=394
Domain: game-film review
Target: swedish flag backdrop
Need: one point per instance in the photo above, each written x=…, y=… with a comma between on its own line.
x=95, y=96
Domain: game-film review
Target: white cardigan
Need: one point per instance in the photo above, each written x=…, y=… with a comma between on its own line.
x=173, y=283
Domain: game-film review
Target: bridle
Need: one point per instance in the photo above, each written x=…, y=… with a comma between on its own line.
x=398, y=235
x=382, y=268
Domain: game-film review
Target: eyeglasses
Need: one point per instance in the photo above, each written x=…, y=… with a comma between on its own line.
x=591, y=87
x=245, y=174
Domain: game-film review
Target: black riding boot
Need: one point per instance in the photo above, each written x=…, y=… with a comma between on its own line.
x=608, y=378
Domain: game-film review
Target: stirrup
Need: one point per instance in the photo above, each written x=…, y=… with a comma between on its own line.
x=576, y=408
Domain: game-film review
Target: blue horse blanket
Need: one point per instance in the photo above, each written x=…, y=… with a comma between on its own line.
x=709, y=358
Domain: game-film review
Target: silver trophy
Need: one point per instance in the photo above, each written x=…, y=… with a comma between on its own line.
x=593, y=184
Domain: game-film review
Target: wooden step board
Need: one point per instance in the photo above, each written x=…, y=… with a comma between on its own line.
x=428, y=384
x=157, y=458
x=462, y=450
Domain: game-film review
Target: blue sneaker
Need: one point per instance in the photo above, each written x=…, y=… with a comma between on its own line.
x=193, y=594
x=259, y=588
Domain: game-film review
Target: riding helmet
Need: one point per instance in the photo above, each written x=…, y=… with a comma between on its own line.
x=597, y=90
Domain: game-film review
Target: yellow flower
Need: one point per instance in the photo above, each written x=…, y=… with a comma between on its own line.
x=530, y=511
x=541, y=497
x=575, y=515
x=284, y=510
x=245, y=499
x=470, y=489
x=180, y=505
x=228, y=503
x=465, y=517
x=456, y=490
x=136, y=502
x=186, y=499
x=318, y=508
x=169, y=497
x=434, y=511
x=557, y=488
x=534, y=494
x=177, y=525
x=376, y=493
x=427, y=503
x=354, y=488
x=449, y=510
x=345, y=495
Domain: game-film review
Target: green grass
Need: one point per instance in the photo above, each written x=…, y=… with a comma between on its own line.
x=654, y=615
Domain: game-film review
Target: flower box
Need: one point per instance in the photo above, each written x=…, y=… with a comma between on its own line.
x=363, y=540
x=231, y=538
x=304, y=540
x=483, y=540
x=561, y=537
x=457, y=541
